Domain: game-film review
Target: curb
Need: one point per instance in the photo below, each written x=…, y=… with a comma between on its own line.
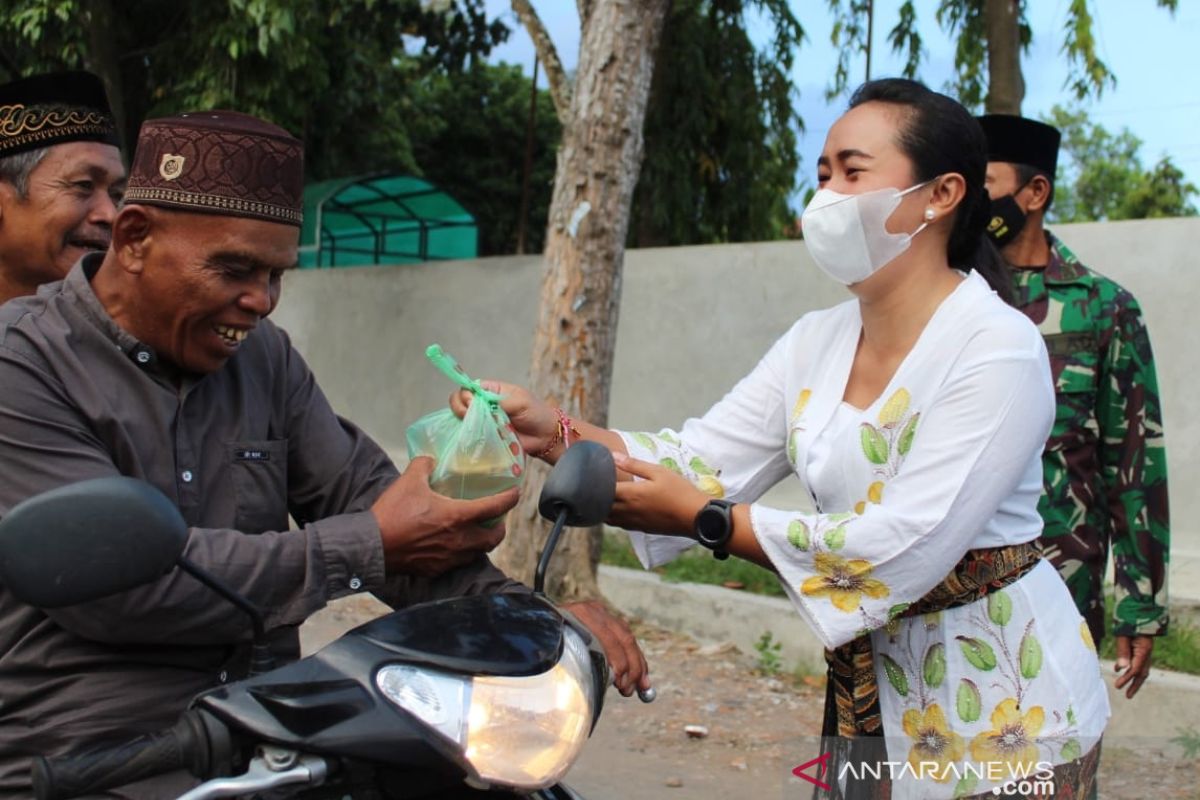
x=715, y=614
x=1167, y=705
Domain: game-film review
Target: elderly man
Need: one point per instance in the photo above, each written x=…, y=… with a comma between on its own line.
x=61, y=177
x=1105, y=482
x=156, y=360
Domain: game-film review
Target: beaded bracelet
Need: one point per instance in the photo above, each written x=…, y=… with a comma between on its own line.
x=562, y=433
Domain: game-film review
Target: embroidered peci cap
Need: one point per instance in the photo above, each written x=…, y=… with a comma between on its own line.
x=219, y=162
x=44, y=110
x=1017, y=140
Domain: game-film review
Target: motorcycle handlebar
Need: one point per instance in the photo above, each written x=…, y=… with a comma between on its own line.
x=198, y=742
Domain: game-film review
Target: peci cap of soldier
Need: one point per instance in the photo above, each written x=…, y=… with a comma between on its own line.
x=219, y=162
x=54, y=108
x=1017, y=140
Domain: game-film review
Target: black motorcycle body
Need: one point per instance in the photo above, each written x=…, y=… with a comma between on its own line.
x=478, y=696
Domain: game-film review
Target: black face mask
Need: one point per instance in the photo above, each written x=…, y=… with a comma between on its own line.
x=1007, y=219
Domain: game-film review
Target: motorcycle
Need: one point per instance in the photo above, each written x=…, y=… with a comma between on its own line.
x=484, y=696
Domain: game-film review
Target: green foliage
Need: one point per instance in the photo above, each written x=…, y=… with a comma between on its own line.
x=849, y=35
x=1101, y=177
x=471, y=142
x=1160, y=192
x=769, y=662
x=964, y=20
x=904, y=39
x=374, y=85
x=41, y=35
x=1088, y=73
x=720, y=134
x=335, y=72
x=616, y=552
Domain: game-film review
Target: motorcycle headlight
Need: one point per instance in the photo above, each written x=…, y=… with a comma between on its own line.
x=519, y=732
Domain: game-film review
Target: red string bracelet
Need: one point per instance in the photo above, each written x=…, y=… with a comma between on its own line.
x=562, y=433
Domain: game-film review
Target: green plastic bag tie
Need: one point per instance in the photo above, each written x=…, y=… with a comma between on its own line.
x=451, y=369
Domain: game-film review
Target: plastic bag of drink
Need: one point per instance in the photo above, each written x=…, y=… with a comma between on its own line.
x=476, y=456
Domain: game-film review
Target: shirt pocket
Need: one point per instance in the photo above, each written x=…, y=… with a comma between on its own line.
x=258, y=471
x=1073, y=359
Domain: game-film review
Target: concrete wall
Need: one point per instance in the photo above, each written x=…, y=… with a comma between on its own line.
x=693, y=321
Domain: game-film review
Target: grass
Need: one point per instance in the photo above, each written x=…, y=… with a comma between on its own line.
x=1179, y=650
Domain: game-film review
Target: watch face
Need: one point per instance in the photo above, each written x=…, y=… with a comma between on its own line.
x=712, y=526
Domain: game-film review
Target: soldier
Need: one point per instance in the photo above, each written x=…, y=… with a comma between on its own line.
x=1105, y=484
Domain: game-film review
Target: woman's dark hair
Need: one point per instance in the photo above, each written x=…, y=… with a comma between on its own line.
x=940, y=136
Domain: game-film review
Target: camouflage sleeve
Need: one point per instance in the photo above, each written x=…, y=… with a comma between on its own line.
x=1133, y=456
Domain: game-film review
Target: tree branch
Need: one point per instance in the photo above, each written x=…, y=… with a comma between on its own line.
x=560, y=89
x=585, y=10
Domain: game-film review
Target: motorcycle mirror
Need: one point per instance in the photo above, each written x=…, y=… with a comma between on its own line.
x=88, y=540
x=579, y=491
x=583, y=483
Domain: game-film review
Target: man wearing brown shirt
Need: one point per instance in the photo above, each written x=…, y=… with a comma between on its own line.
x=155, y=360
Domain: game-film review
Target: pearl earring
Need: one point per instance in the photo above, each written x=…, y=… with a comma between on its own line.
x=929, y=215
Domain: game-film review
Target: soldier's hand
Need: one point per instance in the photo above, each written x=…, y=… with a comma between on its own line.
x=1133, y=660
x=427, y=534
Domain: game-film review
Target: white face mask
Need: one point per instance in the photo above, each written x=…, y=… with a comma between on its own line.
x=846, y=234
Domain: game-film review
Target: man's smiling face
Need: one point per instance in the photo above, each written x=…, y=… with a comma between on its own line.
x=204, y=281
x=67, y=211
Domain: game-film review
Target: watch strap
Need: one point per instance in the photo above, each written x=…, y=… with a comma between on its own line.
x=717, y=545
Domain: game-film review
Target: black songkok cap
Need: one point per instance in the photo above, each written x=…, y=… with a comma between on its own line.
x=219, y=162
x=45, y=110
x=1018, y=140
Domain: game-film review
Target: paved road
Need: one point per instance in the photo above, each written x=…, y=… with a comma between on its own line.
x=640, y=751
x=759, y=728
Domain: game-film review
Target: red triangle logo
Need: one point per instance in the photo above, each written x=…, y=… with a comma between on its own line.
x=823, y=765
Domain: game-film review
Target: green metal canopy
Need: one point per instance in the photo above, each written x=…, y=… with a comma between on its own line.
x=383, y=219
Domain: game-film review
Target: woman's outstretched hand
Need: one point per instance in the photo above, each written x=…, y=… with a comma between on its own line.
x=534, y=421
x=662, y=502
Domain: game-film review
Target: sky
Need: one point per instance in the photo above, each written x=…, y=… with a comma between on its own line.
x=1152, y=53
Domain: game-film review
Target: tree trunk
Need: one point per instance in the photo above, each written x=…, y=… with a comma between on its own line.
x=102, y=59
x=1006, y=86
x=598, y=165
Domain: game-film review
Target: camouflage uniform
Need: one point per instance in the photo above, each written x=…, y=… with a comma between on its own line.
x=1105, y=462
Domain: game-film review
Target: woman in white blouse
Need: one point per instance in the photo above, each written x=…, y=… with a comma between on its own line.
x=915, y=415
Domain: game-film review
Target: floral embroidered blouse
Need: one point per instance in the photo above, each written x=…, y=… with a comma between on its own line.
x=947, y=459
